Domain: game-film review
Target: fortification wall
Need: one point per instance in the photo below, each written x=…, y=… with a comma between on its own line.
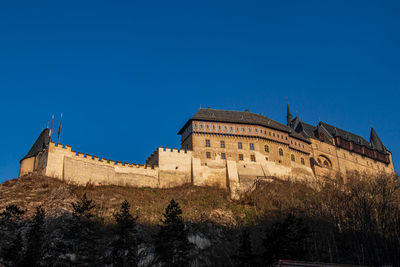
x=26, y=166
x=175, y=167
x=166, y=168
x=80, y=168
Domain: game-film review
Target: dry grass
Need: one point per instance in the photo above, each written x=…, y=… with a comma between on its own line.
x=199, y=204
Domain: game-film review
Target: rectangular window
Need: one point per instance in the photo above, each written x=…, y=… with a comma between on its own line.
x=240, y=156
x=222, y=143
x=302, y=161
x=223, y=156
x=240, y=145
x=253, y=157
x=251, y=146
x=266, y=148
x=208, y=155
x=208, y=143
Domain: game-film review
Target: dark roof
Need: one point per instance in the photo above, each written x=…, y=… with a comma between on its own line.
x=245, y=117
x=334, y=131
x=41, y=142
x=310, y=131
x=376, y=141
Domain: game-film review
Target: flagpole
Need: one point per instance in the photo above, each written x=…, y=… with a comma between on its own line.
x=51, y=129
x=59, y=130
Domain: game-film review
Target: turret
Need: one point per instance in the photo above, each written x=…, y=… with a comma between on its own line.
x=376, y=141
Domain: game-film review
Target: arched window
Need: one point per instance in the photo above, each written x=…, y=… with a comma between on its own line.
x=280, y=152
x=292, y=157
x=324, y=161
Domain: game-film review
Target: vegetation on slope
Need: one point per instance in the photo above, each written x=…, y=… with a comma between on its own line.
x=357, y=222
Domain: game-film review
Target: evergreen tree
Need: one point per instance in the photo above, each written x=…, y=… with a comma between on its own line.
x=82, y=232
x=35, y=239
x=14, y=252
x=125, y=247
x=82, y=208
x=286, y=239
x=244, y=256
x=172, y=246
x=12, y=213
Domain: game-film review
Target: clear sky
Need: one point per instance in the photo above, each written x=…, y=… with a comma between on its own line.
x=127, y=75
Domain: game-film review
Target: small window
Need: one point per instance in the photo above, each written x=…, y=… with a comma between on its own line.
x=208, y=155
x=240, y=145
x=329, y=150
x=280, y=152
x=266, y=148
x=208, y=127
x=266, y=158
x=195, y=126
x=269, y=133
x=219, y=127
x=255, y=130
x=249, y=130
x=277, y=135
x=240, y=156
x=292, y=157
x=237, y=129
x=201, y=126
x=225, y=128
x=253, y=157
x=273, y=134
x=302, y=161
x=213, y=127
x=222, y=144
x=208, y=143
x=251, y=146
x=223, y=156
x=231, y=129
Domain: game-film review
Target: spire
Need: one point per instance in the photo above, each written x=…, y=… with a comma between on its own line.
x=376, y=141
x=289, y=117
x=41, y=142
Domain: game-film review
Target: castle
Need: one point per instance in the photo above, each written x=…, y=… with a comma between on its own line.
x=227, y=149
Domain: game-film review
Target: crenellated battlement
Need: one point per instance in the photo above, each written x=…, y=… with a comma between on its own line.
x=67, y=151
x=173, y=150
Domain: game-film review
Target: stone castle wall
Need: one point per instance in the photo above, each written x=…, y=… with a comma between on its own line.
x=333, y=160
x=165, y=168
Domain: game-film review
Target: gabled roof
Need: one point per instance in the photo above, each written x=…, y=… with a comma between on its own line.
x=41, y=142
x=245, y=117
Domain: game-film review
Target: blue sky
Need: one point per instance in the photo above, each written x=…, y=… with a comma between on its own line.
x=127, y=75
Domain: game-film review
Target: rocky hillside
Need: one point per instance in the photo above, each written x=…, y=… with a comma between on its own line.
x=357, y=222
x=198, y=203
